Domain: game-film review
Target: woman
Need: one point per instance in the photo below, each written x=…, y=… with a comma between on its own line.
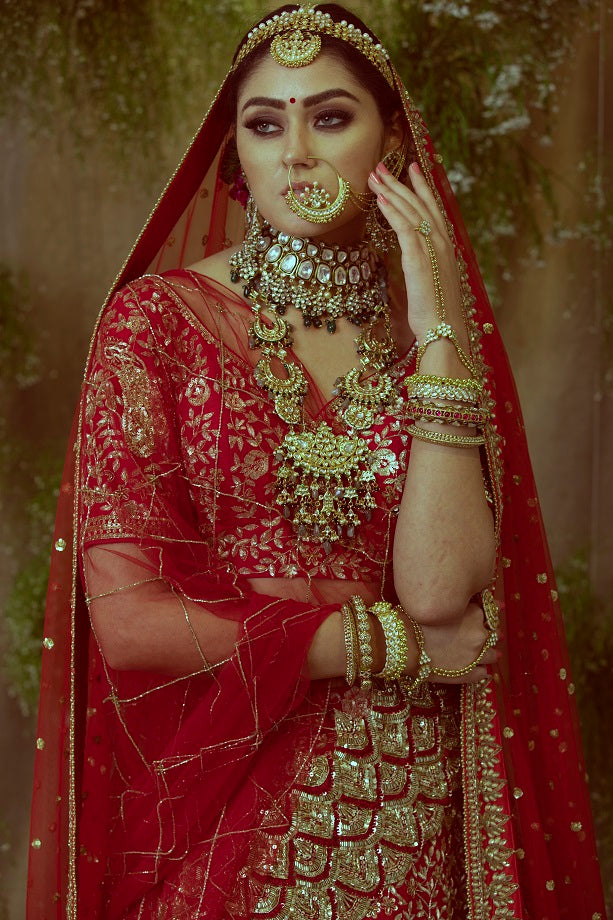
x=281, y=703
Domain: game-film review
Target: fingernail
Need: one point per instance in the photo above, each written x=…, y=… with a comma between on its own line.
x=415, y=168
x=382, y=168
x=375, y=178
x=382, y=199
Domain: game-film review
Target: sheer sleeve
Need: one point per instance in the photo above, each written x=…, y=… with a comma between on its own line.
x=176, y=733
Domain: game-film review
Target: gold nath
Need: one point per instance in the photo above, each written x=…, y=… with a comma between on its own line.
x=296, y=41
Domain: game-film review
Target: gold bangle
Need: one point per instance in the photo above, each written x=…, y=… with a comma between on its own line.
x=449, y=440
x=350, y=633
x=431, y=386
x=490, y=610
x=424, y=662
x=467, y=415
x=396, y=645
x=365, y=661
x=444, y=331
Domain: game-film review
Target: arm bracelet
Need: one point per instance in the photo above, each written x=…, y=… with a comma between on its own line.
x=350, y=633
x=396, y=646
x=364, y=641
x=457, y=389
x=449, y=440
x=425, y=666
x=444, y=331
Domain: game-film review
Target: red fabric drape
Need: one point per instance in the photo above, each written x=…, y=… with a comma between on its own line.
x=194, y=760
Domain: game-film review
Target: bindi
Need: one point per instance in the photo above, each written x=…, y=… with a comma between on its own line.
x=292, y=100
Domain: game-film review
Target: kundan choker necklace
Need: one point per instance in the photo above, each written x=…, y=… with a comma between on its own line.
x=325, y=481
x=323, y=281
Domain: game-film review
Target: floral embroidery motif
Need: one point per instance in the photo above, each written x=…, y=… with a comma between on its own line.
x=155, y=368
x=138, y=418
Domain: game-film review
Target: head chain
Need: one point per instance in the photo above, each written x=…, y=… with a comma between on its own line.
x=314, y=23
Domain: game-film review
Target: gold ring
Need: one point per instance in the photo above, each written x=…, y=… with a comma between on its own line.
x=424, y=228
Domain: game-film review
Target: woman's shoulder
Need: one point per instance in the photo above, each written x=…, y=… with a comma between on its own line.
x=216, y=269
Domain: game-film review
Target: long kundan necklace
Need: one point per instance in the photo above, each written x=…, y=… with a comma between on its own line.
x=325, y=481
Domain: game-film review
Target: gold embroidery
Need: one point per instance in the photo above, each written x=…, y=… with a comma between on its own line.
x=360, y=813
x=489, y=862
x=137, y=419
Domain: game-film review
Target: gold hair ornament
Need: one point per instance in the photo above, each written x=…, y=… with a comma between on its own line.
x=296, y=39
x=296, y=49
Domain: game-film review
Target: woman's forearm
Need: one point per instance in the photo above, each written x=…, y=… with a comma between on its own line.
x=444, y=548
x=142, y=624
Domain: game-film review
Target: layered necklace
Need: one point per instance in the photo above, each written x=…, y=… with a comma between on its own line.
x=325, y=481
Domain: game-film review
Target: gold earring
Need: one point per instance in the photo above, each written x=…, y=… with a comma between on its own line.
x=395, y=160
x=252, y=224
x=378, y=231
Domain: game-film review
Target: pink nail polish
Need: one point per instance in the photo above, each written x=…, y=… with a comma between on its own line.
x=382, y=168
x=415, y=168
x=375, y=178
x=382, y=199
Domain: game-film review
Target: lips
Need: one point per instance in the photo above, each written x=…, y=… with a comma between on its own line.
x=297, y=187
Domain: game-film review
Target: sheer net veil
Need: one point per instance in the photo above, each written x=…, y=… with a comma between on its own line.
x=197, y=755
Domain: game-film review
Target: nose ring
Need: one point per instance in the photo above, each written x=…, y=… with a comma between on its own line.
x=314, y=202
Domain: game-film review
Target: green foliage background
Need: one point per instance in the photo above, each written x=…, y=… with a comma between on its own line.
x=129, y=79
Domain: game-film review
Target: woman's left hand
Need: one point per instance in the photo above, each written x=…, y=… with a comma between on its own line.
x=404, y=209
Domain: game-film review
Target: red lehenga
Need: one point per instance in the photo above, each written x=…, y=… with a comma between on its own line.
x=245, y=790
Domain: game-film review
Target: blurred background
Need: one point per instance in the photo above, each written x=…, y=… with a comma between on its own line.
x=98, y=101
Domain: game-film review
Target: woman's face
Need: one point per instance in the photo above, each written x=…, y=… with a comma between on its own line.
x=286, y=115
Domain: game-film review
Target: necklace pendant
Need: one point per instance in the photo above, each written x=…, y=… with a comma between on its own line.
x=325, y=483
x=287, y=410
x=358, y=417
x=278, y=332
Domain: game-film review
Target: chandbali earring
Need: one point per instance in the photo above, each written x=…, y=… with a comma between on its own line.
x=378, y=231
x=252, y=225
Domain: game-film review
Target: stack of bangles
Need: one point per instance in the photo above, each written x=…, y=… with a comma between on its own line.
x=445, y=400
x=358, y=643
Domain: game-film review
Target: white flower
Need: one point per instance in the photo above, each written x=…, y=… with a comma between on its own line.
x=511, y=125
x=460, y=180
x=447, y=8
x=487, y=20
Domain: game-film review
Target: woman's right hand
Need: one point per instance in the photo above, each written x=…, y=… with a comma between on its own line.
x=454, y=645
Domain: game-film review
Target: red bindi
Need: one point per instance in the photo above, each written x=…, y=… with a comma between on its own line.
x=292, y=100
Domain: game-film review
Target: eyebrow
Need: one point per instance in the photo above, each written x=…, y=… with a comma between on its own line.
x=308, y=102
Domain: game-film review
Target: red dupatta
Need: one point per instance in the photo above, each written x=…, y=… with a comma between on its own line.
x=194, y=782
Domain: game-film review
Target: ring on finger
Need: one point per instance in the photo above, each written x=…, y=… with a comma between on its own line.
x=425, y=228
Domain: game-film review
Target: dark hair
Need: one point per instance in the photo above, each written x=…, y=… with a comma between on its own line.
x=387, y=99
